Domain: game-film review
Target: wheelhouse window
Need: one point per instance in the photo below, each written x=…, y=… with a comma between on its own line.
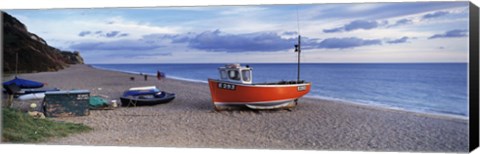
x=233, y=75
x=223, y=74
x=246, y=75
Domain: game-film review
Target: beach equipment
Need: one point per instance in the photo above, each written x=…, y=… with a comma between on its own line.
x=99, y=103
x=147, y=99
x=23, y=83
x=31, y=96
x=141, y=91
x=35, y=114
x=143, y=88
x=66, y=103
x=145, y=96
x=22, y=92
x=41, y=90
x=114, y=103
x=12, y=89
x=236, y=88
x=33, y=105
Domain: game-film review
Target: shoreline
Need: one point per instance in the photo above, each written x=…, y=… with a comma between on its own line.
x=389, y=108
x=190, y=121
x=319, y=98
x=149, y=74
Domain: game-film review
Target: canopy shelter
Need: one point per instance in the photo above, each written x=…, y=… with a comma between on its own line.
x=23, y=83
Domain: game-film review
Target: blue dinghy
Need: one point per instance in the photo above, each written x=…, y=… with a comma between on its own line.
x=145, y=97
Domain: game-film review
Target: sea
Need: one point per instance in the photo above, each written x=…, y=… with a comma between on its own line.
x=437, y=88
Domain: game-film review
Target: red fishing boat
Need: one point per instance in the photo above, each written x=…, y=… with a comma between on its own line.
x=235, y=88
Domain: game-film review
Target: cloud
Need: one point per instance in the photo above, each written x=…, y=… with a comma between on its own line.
x=120, y=45
x=163, y=54
x=435, y=14
x=333, y=30
x=290, y=33
x=112, y=34
x=388, y=10
x=261, y=41
x=350, y=42
x=400, y=40
x=401, y=22
x=84, y=33
x=451, y=34
x=174, y=38
x=218, y=41
x=355, y=25
x=361, y=24
x=144, y=55
x=215, y=41
x=242, y=10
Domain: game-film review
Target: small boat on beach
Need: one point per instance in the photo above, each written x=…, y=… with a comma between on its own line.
x=27, y=89
x=145, y=96
x=235, y=88
x=42, y=90
x=150, y=90
x=23, y=92
x=31, y=96
x=143, y=88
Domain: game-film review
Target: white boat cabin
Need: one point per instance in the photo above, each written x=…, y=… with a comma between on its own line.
x=236, y=73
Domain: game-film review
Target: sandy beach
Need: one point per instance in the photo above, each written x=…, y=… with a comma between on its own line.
x=190, y=121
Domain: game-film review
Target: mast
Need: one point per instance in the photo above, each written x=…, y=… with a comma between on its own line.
x=298, y=49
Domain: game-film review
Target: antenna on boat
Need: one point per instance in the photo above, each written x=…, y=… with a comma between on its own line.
x=298, y=49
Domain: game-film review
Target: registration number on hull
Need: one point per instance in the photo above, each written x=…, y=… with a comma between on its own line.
x=301, y=88
x=226, y=86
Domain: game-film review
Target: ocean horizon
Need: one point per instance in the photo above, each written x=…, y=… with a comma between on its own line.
x=437, y=88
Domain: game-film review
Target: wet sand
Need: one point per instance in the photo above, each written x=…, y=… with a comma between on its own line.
x=190, y=121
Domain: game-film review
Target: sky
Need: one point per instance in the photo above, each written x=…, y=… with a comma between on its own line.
x=331, y=33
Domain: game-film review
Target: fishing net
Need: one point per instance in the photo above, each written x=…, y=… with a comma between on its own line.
x=97, y=102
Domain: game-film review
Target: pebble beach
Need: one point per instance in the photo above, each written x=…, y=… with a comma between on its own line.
x=190, y=121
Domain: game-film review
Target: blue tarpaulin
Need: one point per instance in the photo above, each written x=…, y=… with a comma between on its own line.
x=23, y=83
x=140, y=92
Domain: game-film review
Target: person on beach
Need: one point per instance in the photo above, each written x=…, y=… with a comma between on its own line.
x=160, y=75
x=145, y=76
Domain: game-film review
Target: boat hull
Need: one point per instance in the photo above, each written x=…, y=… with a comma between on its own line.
x=257, y=96
x=131, y=101
x=31, y=96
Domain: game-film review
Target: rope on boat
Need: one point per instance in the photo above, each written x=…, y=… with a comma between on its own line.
x=134, y=103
